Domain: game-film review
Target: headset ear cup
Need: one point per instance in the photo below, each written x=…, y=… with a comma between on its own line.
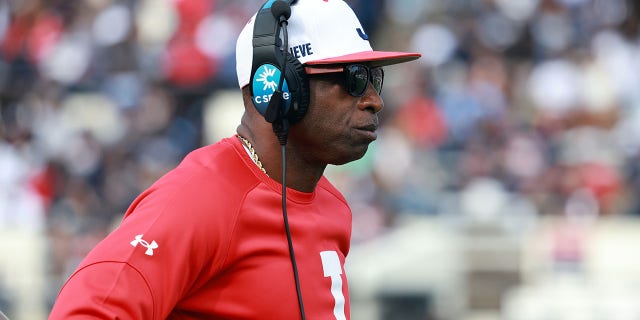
x=291, y=99
x=298, y=88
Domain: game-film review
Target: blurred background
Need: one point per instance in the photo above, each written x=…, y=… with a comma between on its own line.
x=505, y=183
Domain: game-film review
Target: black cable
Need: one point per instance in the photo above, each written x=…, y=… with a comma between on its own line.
x=285, y=35
x=281, y=129
x=288, y=231
x=281, y=123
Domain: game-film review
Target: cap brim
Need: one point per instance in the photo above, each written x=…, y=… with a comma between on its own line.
x=374, y=58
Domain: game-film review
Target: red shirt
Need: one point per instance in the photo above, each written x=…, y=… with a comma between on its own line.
x=207, y=241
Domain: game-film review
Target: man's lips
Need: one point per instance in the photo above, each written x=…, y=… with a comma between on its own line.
x=371, y=127
x=369, y=131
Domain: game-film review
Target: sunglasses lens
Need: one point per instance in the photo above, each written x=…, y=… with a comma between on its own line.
x=377, y=78
x=358, y=77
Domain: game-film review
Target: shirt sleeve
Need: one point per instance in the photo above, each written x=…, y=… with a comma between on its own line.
x=126, y=295
x=150, y=262
x=173, y=239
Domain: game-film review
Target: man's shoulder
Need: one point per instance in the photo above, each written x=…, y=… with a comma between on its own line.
x=211, y=156
x=209, y=176
x=213, y=165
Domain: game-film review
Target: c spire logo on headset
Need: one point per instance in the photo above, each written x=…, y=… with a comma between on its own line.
x=265, y=83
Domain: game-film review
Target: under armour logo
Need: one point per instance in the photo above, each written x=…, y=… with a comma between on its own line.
x=144, y=243
x=362, y=35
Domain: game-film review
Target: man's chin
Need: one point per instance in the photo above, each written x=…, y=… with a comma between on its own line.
x=355, y=154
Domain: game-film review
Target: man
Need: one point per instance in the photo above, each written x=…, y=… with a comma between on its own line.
x=216, y=238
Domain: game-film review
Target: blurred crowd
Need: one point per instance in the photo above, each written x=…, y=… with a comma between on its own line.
x=517, y=110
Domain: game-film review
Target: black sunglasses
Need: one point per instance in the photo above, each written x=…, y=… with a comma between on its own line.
x=356, y=76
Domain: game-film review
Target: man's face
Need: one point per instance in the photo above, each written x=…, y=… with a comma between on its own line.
x=338, y=127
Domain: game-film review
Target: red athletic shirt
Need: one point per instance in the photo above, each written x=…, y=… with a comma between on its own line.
x=207, y=241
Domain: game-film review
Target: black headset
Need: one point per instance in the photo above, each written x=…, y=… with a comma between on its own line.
x=288, y=102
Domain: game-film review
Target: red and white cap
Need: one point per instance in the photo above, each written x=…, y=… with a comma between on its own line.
x=321, y=32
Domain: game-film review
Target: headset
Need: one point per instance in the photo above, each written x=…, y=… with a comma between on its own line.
x=281, y=103
x=287, y=103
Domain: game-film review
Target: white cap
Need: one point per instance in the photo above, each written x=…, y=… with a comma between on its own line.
x=320, y=32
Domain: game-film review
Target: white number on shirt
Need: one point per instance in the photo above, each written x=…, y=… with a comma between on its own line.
x=333, y=269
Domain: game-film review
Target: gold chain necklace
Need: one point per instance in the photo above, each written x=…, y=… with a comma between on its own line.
x=254, y=155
